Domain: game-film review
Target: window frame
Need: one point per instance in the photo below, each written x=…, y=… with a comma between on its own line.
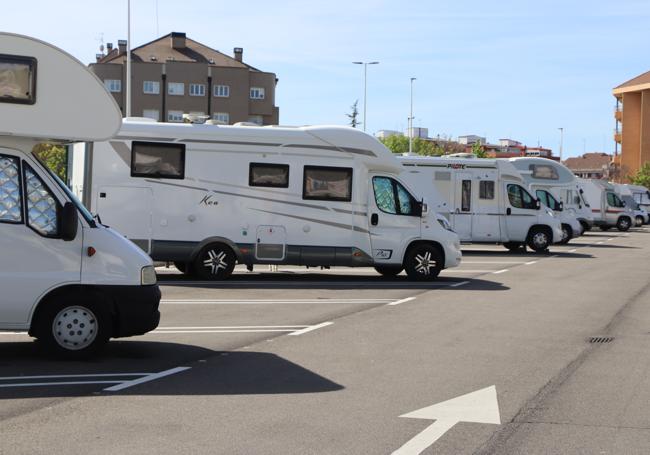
x=398, y=205
x=154, y=84
x=169, y=113
x=227, y=114
x=33, y=64
x=113, y=80
x=520, y=189
x=216, y=89
x=307, y=168
x=20, y=189
x=152, y=110
x=191, y=85
x=25, y=166
x=483, y=191
x=466, y=195
x=169, y=86
x=260, y=90
x=175, y=145
x=252, y=165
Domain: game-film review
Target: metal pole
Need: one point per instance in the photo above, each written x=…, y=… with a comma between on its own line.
x=128, y=61
x=561, y=141
x=365, y=93
x=411, y=121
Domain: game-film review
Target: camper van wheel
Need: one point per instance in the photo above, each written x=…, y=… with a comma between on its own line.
x=567, y=234
x=639, y=221
x=423, y=262
x=585, y=226
x=515, y=247
x=389, y=270
x=623, y=224
x=538, y=240
x=74, y=326
x=215, y=261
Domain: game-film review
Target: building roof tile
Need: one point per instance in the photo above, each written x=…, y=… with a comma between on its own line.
x=588, y=161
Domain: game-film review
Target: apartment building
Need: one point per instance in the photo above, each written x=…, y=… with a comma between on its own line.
x=593, y=165
x=175, y=75
x=632, y=132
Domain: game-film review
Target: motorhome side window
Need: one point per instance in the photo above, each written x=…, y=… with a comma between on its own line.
x=11, y=210
x=41, y=205
x=159, y=160
x=544, y=171
x=613, y=200
x=466, y=195
x=327, y=183
x=486, y=189
x=520, y=198
x=391, y=197
x=17, y=79
x=272, y=175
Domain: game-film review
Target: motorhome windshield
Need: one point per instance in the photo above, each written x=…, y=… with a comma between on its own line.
x=83, y=210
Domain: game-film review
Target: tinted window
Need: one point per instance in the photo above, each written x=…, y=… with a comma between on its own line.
x=327, y=183
x=405, y=200
x=520, y=198
x=466, y=195
x=541, y=195
x=17, y=79
x=151, y=159
x=384, y=194
x=486, y=189
x=613, y=200
x=41, y=205
x=273, y=175
x=11, y=210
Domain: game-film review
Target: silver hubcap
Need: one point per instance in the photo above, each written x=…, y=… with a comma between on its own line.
x=565, y=233
x=75, y=328
x=624, y=223
x=215, y=261
x=424, y=263
x=539, y=239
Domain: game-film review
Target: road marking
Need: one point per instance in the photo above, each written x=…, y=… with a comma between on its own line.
x=148, y=378
x=41, y=383
x=399, y=302
x=265, y=301
x=460, y=284
x=311, y=328
x=294, y=283
x=572, y=251
x=481, y=406
x=236, y=327
x=65, y=376
x=530, y=262
x=599, y=243
x=493, y=262
x=609, y=240
x=500, y=271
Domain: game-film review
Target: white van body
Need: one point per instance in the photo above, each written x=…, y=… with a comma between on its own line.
x=189, y=193
x=554, y=183
x=641, y=216
x=641, y=195
x=473, y=193
x=56, y=260
x=607, y=207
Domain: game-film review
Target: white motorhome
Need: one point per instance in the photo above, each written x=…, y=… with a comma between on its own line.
x=557, y=187
x=66, y=279
x=208, y=196
x=641, y=216
x=641, y=195
x=486, y=201
x=608, y=208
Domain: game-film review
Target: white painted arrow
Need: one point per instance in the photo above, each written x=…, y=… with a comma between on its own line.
x=479, y=407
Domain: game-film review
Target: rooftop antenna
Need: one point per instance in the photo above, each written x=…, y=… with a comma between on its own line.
x=101, y=43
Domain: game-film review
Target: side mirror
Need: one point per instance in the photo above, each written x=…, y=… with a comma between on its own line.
x=424, y=208
x=561, y=206
x=68, y=222
x=538, y=204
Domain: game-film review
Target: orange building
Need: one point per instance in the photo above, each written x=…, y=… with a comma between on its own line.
x=632, y=133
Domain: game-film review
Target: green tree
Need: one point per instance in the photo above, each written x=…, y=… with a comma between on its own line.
x=354, y=115
x=478, y=150
x=400, y=144
x=642, y=177
x=55, y=157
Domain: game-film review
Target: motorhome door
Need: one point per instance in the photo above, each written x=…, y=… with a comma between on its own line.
x=128, y=211
x=485, y=221
x=461, y=216
x=270, y=245
x=521, y=211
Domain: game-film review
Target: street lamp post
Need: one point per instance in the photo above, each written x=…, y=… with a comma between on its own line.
x=561, y=141
x=128, y=60
x=365, y=87
x=411, y=121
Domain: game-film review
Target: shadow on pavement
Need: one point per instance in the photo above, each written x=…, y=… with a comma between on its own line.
x=212, y=372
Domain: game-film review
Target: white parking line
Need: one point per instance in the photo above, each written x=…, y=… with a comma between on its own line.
x=311, y=328
x=39, y=380
x=399, y=302
x=374, y=284
x=493, y=262
x=610, y=239
x=599, y=243
x=500, y=271
x=267, y=301
x=572, y=251
x=148, y=378
x=530, y=262
x=460, y=284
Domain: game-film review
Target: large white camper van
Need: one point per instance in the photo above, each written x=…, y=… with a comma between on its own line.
x=641, y=195
x=207, y=196
x=486, y=201
x=557, y=187
x=66, y=279
x=641, y=216
x=608, y=208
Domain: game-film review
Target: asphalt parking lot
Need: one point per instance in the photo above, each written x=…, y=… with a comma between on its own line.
x=327, y=361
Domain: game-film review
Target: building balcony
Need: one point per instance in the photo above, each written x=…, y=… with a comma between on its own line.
x=618, y=137
x=618, y=115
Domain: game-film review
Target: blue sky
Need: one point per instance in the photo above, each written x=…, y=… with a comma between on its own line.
x=512, y=69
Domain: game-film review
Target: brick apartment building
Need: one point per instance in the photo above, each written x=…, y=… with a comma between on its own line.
x=632, y=131
x=175, y=75
x=592, y=166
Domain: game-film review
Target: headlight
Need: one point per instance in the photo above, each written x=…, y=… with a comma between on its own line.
x=445, y=224
x=148, y=276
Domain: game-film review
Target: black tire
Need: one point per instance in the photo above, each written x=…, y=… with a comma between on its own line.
x=389, y=271
x=639, y=221
x=585, y=226
x=567, y=234
x=183, y=267
x=623, y=224
x=423, y=262
x=515, y=247
x=538, y=240
x=74, y=326
x=215, y=261
x=605, y=228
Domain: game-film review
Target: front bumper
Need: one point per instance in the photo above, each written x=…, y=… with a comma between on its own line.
x=453, y=254
x=135, y=308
